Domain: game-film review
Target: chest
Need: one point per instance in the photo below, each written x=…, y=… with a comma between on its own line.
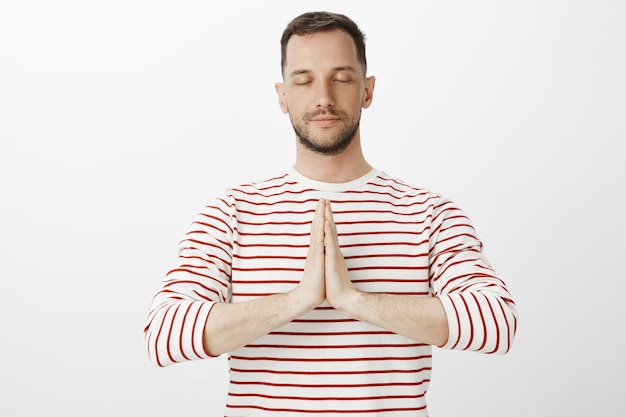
x=386, y=248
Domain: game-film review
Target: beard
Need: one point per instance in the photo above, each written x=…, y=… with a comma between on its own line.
x=335, y=146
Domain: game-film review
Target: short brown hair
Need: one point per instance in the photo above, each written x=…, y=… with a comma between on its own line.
x=315, y=22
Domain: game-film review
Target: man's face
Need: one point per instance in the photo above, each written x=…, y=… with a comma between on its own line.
x=324, y=90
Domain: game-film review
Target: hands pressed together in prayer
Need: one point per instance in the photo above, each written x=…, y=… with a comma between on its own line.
x=325, y=273
x=325, y=277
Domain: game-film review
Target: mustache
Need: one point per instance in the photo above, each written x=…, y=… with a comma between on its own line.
x=324, y=112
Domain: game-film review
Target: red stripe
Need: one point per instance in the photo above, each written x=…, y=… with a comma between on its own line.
x=201, y=267
x=209, y=225
x=238, y=269
x=323, y=321
x=482, y=319
x=275, y=203
x=217, y=219
x=442, y=251
x=278, y=177
x=270, y=245
x=471, y=325
x=362, y=359
x=374, y=244
x=211, y=245
x=297, y=258
x=508, y=329
x=156, y=341
x=273, y=187
x=182, y=332
x=458, y=324
x=252, y=281
x=293, y=410
x=193, y=332
x=442, y=273
x=169, y=335
x=179, y=282
x=495, y=323
x=267, y=234
x=398, y=280
x=205, y=298
x=282, y=202
x=299, y=398
x=457, y=236
x=369, y=385
x=364, y=372
x=392, y=268
x=248, y=223
x=386, y=255
x=401, y=197
x=331, y=333
x=368, y=346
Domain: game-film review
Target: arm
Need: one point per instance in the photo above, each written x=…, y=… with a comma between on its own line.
x=231, y=326
x=191, y=316
x=471, y=309
x=201, y=278
x=422, y=319
x=482, y=315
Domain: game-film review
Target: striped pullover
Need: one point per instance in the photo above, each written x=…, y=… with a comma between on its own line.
x=395, y=239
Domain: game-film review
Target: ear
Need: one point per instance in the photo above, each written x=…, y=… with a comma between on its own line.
x=368, y=95
x=282, y=101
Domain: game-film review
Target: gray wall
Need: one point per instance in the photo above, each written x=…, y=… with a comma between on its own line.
x=119, y=120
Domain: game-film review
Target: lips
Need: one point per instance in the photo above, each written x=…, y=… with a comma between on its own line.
x=325, y=121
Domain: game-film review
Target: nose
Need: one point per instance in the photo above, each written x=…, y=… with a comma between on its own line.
x=325, y=97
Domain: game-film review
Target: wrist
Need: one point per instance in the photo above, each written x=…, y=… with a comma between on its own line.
x=303, y=299
x=348, y=301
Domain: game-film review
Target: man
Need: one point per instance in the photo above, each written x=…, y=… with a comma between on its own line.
x=328, y=284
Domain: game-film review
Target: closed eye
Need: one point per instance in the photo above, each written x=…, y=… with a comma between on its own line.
x=302, y=81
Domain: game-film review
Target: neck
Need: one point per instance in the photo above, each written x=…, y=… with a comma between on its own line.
x=343, y=167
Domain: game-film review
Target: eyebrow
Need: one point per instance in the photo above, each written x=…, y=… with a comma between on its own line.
x=348, y=68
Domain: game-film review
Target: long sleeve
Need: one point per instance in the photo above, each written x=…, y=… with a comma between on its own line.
x=481, y=314
x=179, y=310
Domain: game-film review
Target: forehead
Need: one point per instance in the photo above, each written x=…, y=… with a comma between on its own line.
x=336, y=48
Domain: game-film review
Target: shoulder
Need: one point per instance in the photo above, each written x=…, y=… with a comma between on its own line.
x=398, y=188
x=264, y=187
x=279, y=188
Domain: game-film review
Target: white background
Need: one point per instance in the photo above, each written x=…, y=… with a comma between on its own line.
x=120, y=119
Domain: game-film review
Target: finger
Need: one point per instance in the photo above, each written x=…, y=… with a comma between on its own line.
x=330, y=233
x=317, y=226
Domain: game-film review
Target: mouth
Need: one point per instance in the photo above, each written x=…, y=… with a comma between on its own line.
x=325, y=121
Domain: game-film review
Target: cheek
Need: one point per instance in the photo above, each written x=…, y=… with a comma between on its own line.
x=294, y=106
